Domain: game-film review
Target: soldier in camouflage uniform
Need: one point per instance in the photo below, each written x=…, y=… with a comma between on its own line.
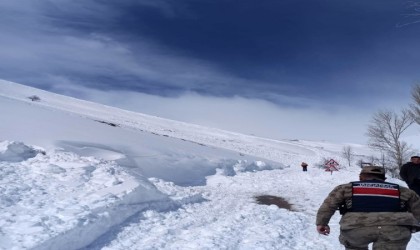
x=374, y=211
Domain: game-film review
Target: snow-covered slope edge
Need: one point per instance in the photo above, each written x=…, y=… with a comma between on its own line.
x=66, y=200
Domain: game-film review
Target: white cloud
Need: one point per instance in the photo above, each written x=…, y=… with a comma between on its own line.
x=249, y=116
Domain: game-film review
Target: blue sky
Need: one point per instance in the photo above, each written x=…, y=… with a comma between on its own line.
x=272, y=64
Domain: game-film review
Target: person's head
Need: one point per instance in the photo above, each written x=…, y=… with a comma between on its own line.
x=415, y=159
x=372, y=173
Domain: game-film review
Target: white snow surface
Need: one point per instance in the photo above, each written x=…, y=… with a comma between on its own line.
x=80, y=175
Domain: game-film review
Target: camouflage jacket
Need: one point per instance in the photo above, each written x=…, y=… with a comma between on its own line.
x=350, y=220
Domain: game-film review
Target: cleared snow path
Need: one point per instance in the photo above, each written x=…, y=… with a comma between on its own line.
x=229, y=218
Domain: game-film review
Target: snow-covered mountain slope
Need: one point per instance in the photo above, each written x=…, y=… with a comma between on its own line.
x=80, y=175
x=140, y=122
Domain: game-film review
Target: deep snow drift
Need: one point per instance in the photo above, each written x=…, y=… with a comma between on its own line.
x=80, y=175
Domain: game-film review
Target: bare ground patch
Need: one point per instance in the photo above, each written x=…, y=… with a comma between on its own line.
x=273, y=200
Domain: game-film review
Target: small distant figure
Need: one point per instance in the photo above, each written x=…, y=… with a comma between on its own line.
x=304, y=166
x=410, y=173
x=34, y=98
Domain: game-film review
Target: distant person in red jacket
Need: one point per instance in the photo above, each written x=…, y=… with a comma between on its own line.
x=304, y=166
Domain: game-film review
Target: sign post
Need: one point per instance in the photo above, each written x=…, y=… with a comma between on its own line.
x=331, y=165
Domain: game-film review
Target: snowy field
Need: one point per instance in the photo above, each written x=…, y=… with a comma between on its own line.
x=80, y=175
